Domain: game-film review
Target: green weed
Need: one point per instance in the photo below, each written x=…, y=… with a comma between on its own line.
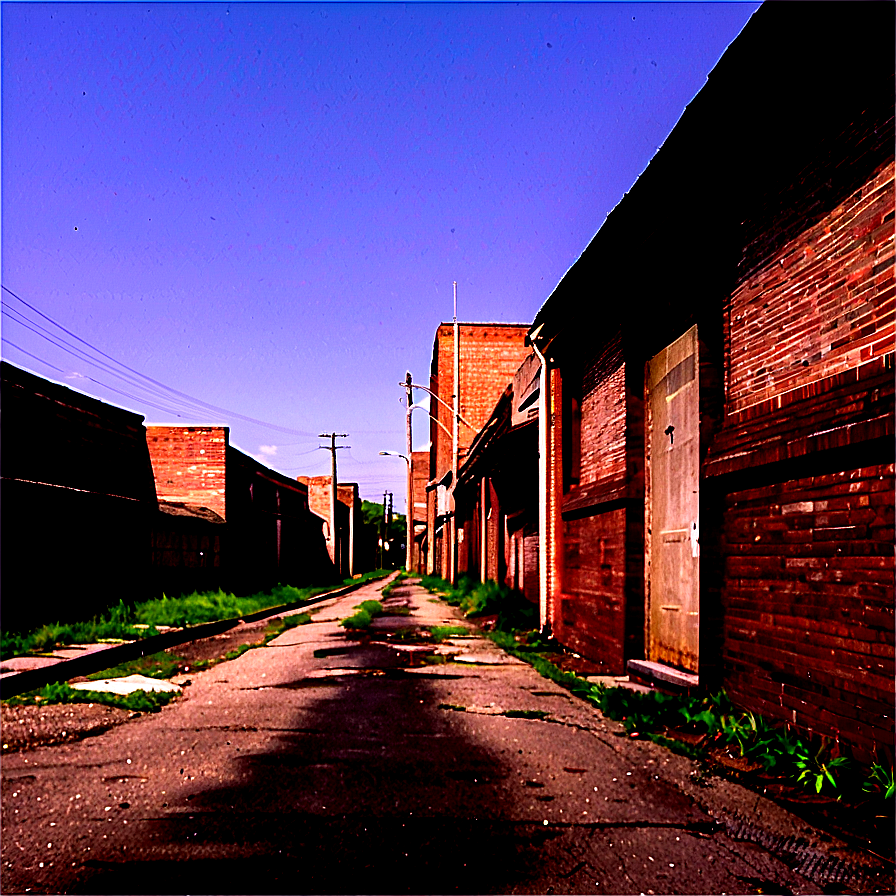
x=366, y=611
x=880, y=781
x=442, y=632
x=62, y=692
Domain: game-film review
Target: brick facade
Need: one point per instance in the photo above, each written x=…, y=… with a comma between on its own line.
x=816, y=649
x=488, y=357
x=821, y=304
x=788, y=543
x=190, y=464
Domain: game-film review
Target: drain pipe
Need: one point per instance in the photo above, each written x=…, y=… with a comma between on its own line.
x=543, y=535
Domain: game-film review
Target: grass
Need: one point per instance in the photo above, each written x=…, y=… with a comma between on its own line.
x=62, y=692
x=442, y=632
x=364, y=615
x=161, y=665
x=118, y=623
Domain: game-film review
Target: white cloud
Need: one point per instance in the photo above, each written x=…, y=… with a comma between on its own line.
x=268, y=450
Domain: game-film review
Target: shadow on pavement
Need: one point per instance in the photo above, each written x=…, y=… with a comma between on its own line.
x=376, y=791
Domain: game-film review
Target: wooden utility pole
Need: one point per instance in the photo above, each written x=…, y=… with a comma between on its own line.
x=334, y=497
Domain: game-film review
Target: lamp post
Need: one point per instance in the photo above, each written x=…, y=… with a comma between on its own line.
x=409, y=518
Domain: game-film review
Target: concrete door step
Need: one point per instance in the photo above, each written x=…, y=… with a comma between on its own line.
x=650, y=671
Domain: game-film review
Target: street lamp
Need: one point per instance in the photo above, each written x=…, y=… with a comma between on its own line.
x=409, y=514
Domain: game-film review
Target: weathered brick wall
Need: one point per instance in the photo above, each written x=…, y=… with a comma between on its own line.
x=808, y=603
x=189, y=464
x=603, y=430
x=591, y=617
x=819, y=305
x=490, y=354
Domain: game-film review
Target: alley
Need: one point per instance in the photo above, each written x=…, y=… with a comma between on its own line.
x=323, y=763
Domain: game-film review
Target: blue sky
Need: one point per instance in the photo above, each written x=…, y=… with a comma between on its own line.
x=264, y=206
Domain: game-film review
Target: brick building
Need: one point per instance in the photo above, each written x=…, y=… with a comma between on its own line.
x=78, y=502
x=269, y=533
x=717, y=483
x=488, y=356
x=346, y=551
x=496, y=497
x=417, y=528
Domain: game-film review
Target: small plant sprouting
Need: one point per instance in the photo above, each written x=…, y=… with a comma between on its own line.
x=366, y=610
x=62, y=692
x=442, y=632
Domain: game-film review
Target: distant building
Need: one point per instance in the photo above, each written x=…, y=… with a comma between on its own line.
x=346, y=550
x=270, y=536
x=488, y=356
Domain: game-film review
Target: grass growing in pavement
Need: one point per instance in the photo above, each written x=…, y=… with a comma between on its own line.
x=442, y=632
x=811, y=762
x=62, y=692
x=160, y=665
x=118, y=622
x=364, y=615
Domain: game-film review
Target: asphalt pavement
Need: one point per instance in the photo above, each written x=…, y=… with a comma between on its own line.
x=323, y=763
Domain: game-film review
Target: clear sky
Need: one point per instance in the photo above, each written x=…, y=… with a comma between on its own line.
x=264, y=206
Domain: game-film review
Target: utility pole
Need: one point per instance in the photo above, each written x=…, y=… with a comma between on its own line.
x=334, y=498
x=409, y=519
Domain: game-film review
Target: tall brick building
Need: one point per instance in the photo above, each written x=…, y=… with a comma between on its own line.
x=489, y=355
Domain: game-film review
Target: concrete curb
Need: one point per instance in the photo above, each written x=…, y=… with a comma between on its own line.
x=96, y=661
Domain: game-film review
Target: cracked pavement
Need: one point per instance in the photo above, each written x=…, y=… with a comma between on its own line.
x=322, y=763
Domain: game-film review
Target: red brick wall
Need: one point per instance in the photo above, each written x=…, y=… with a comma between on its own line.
x=820, y=305
x=808, y=603
x=490, y=354
x=591, y=617
x=189, y=464
x=603, y=430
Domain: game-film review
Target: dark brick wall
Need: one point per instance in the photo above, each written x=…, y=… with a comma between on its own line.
x=78, y=501
x=808, y=603
x=819, y=305
x=591, y=618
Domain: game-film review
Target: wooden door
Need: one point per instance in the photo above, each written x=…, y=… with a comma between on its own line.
x=673, y=511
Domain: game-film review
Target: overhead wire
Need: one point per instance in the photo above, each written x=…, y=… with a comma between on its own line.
x=168, y=393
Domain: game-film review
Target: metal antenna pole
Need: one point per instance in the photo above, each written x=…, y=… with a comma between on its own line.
x=452, y=545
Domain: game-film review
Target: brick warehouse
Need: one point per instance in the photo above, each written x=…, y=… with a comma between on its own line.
x=717, y=486
x=78, y=502
x=271, y=534
x=488, y=356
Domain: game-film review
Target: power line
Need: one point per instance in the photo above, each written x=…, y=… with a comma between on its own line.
x=180, y=398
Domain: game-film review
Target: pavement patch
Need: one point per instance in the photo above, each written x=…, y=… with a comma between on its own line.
x=127, y=685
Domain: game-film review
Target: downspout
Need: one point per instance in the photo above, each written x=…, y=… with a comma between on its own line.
x=543, y=535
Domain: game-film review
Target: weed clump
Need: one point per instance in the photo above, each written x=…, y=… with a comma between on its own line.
x=62, y=692
x=364, y=615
